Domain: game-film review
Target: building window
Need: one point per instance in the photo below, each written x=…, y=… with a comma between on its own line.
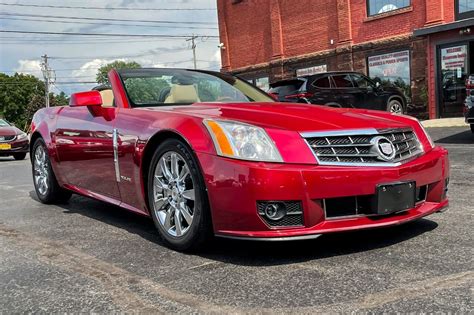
x=391, y=69
x=464, y=9
x=375, y=7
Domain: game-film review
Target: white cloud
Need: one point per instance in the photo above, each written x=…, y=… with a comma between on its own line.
x=89, y=69
x=32, y=67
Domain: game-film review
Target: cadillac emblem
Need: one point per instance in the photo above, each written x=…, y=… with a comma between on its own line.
x=384, y=148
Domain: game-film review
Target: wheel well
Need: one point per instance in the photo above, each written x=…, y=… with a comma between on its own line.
x=398, y=98
x=150, y=149
x=34, y=136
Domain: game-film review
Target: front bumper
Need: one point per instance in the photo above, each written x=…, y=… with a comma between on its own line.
x=17, y=146
x=234, y=188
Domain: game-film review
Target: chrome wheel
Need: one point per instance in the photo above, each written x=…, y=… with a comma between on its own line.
x=40, y=170
x=396, y=107
x=173, y=194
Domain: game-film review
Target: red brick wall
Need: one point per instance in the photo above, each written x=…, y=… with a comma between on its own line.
x=389, y=24
x=248, y=32
x=308, y=26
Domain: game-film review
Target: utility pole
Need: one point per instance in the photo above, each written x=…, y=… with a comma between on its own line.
x=48, y=74
x=193, y=47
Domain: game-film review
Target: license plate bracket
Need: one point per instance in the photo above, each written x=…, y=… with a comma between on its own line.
x=395, y=197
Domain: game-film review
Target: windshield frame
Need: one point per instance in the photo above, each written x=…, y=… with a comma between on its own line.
x=153, y=72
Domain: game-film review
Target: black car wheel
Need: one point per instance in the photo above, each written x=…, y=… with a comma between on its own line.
x=177, y=197
x=472, y=127
x=46, y=186
x=19, y=156
x=395, y=107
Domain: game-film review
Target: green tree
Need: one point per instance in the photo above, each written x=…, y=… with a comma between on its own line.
x=61, y=99
x=102, y=77
x=16, y=92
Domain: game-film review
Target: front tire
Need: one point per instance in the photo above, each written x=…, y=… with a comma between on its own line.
x=19, y=156
x=46, y=186
x=177, y=197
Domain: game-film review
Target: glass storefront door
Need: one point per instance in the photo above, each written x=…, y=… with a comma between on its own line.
x=453, y=65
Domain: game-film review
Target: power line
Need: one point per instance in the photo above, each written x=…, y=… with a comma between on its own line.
x=104, y=57
x=107, y=24
x=95, y=40
x=101, y=34
x=106, y=8
x=106, y=19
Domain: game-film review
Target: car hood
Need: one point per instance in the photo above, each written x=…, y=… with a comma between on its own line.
x=289, y=116
x=8, y=131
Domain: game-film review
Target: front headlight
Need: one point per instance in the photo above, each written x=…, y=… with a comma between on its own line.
x=22, y=136
x=242, y=141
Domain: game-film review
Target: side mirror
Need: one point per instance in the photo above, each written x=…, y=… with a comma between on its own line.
x=89, y=98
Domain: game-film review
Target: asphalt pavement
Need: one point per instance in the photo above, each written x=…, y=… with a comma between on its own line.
x=88, y=256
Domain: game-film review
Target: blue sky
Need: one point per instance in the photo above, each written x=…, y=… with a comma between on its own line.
x=83, y=55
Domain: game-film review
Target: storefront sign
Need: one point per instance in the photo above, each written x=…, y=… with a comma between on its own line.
x=454, y=58
x=390, y=66
x=311, y=70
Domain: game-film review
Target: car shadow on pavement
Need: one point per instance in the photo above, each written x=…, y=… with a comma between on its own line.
x=464, y=137
x=253, y=253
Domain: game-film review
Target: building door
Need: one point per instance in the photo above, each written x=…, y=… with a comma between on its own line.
x=454, y=67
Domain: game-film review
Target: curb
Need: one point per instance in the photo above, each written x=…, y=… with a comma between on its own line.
x=444, y=122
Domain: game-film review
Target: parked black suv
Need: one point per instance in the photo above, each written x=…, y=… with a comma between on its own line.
x=340, y=89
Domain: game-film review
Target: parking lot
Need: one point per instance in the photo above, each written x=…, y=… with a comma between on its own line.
x=87, y=256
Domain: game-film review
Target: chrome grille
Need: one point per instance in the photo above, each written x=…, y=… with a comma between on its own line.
x=7, y=138
x=351, y=147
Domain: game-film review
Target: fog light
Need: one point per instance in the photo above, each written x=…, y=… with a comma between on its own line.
x=275, y=211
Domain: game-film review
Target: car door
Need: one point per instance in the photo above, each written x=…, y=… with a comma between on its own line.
x=370, y=97
x=320, y=89
x=345, y=93
x=84, y=144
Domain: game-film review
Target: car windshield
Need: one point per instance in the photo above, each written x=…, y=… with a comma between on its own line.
x=3, y=123
x=164, y=87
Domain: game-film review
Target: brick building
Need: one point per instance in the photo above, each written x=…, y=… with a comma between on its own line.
x=423, y=46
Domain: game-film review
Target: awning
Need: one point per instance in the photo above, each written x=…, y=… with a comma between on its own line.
x=444, y=27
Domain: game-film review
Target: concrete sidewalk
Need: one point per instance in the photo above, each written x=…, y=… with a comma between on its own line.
x=445, y=122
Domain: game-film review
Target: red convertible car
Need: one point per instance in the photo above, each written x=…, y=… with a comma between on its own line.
x=205, y=153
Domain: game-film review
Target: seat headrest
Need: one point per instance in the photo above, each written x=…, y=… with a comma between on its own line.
x=183, y=94
x=107, y=98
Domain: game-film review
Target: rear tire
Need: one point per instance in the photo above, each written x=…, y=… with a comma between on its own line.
x=19, y=156
x=472, y=127
x=46, y=186
x=395, y=107
x=177, y=197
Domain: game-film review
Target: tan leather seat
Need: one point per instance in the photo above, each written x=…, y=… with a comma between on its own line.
x=182, y=94
x=107, y=98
